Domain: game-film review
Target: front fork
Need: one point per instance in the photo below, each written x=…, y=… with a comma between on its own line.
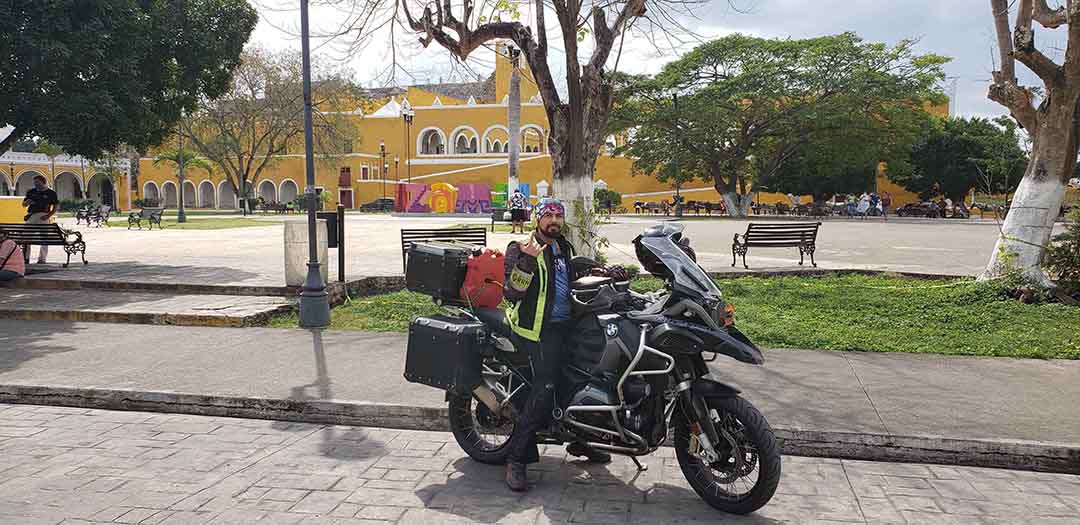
x=704, y=437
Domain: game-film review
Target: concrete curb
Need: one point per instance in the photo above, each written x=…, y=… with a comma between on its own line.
x=1021, y=455
x=234, y=321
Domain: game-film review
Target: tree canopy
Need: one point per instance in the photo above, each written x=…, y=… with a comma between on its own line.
x=748, y=106
x=959, y=154
x=262, y=115
x=91, y=76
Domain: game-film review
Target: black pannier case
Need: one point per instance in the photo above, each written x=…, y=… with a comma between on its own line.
x=445, y=352
x=438, y=269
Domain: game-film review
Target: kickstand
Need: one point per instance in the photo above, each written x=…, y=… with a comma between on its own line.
x=640, y=467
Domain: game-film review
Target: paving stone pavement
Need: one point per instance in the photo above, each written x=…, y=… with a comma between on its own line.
x=66, y=465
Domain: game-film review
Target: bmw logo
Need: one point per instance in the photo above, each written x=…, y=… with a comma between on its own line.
x=612, y=330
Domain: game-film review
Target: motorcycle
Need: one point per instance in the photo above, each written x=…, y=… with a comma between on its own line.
x=638, y=372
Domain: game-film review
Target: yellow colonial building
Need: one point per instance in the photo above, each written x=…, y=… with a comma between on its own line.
x=436, y=147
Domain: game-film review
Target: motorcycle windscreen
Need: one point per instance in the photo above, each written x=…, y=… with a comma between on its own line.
x=685, y=272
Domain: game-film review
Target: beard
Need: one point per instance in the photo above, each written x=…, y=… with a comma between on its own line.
x=552, y=230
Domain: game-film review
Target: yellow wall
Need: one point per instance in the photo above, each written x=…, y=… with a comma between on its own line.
x=11, y=210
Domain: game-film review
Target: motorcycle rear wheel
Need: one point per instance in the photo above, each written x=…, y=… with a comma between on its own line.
x=481, y=434
x=754, y=452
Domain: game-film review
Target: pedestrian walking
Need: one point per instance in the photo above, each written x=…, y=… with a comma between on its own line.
x=41, y=203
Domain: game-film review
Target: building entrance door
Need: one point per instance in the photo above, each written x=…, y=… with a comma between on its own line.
x=345, y=198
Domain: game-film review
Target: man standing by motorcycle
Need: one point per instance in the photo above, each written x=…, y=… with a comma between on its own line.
x=537, y=284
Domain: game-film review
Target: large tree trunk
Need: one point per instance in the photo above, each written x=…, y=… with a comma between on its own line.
x=575, y=190
x=1036, y=203
x=738, y=205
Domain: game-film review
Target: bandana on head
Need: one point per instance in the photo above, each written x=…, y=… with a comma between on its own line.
x=548, y=206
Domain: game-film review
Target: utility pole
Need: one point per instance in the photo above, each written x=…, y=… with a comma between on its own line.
x=180, y=215
x=314, y=303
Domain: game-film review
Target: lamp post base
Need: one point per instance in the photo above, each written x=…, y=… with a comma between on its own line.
x=314, y=300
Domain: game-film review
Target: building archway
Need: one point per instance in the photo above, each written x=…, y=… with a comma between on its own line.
x=267, y=191
x=226, y=196
x=288, y=191
x=7, y=186
x=206, y=194
x=68, y=186
x=25, y=182
x=150, y=191
x=532, y=139
x=431, y=141
x=465, y=140
x=168, y=189
x=190, y=197
x=495, y=136
x=100, y=189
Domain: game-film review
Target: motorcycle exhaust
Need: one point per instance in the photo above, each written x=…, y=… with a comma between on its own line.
x=487, y=397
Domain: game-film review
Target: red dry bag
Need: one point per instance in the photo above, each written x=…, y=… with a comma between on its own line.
x=483, y=286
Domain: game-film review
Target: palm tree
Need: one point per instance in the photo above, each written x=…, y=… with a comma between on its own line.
x=190, y=158
x=52, y=151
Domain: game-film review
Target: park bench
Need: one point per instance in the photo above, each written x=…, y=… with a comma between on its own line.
x=476, y=236
x=801, y=235
x=27, y=235
x=84, y=213
x=151, y=215
x=100, y=216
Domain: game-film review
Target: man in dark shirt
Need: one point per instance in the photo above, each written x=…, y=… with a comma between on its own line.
x=41, y=203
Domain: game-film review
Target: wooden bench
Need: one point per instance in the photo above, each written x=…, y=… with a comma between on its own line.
x=151, y=215
x=477, y=236
x=801, y=235
x=26, y=235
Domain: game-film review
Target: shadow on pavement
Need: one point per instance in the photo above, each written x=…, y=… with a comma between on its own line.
x=345, y=443
x=22, y=341
x=136, y=271
x=573, y=490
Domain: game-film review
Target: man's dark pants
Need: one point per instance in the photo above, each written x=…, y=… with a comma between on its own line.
x=548, y=356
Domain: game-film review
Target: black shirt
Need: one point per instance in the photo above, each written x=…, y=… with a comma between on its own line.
x=40, y=200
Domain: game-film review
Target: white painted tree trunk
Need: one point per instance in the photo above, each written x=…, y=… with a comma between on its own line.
x=514, y=124
x=1027, y=229
x=576, y=193
x=736, y=206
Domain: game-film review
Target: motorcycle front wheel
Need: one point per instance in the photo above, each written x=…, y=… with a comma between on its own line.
x=745, y=476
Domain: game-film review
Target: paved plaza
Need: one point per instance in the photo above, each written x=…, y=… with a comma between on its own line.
x=254, y=256
x=65, y=465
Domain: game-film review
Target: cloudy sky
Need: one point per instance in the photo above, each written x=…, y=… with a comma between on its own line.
x=961, y=29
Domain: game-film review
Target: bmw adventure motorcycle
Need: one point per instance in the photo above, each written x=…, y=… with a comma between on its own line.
x=636, y=375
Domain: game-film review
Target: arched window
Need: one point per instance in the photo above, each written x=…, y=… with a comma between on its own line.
x=464, y=140
x=431, y=143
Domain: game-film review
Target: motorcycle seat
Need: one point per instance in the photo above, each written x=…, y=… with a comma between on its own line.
x=495, y=319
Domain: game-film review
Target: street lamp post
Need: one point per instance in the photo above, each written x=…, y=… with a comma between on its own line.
x=408, y=115
x=314, y=303
x=382, y=157
x=180, y=215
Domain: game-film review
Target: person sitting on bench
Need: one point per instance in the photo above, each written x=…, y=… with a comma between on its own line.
x=12, y=265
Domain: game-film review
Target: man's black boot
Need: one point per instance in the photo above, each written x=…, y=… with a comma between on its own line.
x=582, y=450
x=517, y=477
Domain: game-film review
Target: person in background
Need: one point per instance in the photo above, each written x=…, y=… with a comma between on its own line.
x=886, y=202
x=518, y=204
x=41, y=204
x=12, y=265
x=851, y=205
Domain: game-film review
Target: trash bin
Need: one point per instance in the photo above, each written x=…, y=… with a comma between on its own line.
x=296, y=251
x=331, y=227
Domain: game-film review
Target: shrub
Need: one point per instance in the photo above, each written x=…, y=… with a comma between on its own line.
x=1063, y=254
x=75, y=204
x=148, y=202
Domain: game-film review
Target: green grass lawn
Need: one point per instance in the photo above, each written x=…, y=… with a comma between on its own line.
x=846, y=312
x=169, y=223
